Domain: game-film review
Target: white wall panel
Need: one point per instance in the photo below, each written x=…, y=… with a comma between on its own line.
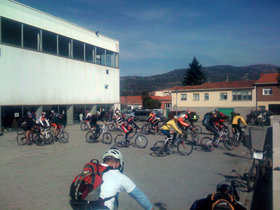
x=34, y=78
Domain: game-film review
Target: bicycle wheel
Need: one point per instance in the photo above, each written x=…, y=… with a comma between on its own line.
x=111, y=126
x=20, y=131
x=83, y=126
x=91, y=137
x=120, y=140
x=63, y=137
x=236, y=139
x=198, y=128
x=107, y=138
x=185, y=147
x=145, y=129
x=252, y=177
x=141, y=141
x=48, y=138
x=226, y=130
x=206, y=144
x=160, y=149
x=195, y=137
x=229, y=143
x=21, y=139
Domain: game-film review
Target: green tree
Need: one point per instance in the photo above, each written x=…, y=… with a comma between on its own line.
x=194, y=74
x=148, y=102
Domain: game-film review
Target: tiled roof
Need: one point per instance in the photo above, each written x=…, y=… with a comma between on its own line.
x=162, y=98
x=131, y=100
x=218, y=85
x=268, y=78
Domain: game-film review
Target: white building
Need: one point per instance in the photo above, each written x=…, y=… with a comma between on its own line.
x=48, y=63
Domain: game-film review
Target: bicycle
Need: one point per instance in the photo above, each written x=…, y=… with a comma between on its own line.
x=92, y=136
x=207, y=143
x=163, y=148
x=238, y=137
x=260, y=166
x=62, y=136
x=84, y=125
x=193, y=133
x=140, y=140
x=148, y=128
x=114, y=126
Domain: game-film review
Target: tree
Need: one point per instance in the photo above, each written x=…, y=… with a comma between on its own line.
x=194, y=75
x=148, y=102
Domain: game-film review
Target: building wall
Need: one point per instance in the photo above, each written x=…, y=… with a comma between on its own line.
x=275, y=93
x=214, y=99
x=267, y=103
x=33, y=78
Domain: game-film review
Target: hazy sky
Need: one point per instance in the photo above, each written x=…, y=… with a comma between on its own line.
x=157, y=36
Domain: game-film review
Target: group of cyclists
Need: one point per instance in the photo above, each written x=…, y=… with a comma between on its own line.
x=31, y=123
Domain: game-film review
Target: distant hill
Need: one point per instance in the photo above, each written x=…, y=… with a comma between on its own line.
x=134, y=85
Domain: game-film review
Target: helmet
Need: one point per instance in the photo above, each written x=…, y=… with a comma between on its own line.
x=224, y=187
x=87, y=111
x=182, y=115
x=115, y=153
x=29, y=113
x=175, y=117
x=132, y=115
x=52, y=111
x=43, y=113
x=98, y=112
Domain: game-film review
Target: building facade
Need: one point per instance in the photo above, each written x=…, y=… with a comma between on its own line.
x=48, y=63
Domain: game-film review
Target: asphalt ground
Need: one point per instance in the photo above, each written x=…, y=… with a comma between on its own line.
x=39, y=177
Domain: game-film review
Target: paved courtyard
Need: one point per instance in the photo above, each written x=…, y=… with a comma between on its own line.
x=34, y=177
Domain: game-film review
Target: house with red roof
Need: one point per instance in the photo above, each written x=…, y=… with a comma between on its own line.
x=268, y=92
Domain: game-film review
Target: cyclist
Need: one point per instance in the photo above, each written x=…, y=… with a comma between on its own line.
x=115, y=181
x=127, y=127
x=182, y=121
x=30, y=122
x=221, y=118
x=43, y=121
x=93, y=121
x=168, y=126
x=236, y=120
x=209, y=122
x=56, y=123
x=224, y=198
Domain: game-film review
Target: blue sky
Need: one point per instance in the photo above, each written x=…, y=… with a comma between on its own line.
x=157, y=36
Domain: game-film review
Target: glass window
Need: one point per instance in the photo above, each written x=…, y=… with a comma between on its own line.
x=107, y=71
x=223, y=96
x=90, y=53
x=267, y=91
x=49, y=43
x=30, y=37
x=183, y=97
x=11, y=32
x=110, y=58
x=206, y=96
x=196, y=96
x=64, y=44
x=78, y=50
x=100, y=56
x=242, y=95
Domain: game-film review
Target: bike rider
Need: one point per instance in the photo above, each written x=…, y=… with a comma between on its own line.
x=115, y=181
x=93, y=121
x=171, y=124
x=87, y=118
x=30, y=122
x=127, y=127
x=183, y=125
x=43, y=121
x=54, y=120
x=221, y=118
x=210, y=125
x=236, y=120
x=224, y=193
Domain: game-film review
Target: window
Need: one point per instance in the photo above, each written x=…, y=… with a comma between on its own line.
x=223, y=96
x=90, y=51
x=100, y=56
x=242, y=95
x=30, y=37
x=183, y=97
x=196, y=96
x=267, y=91
x=11, y=32
x=206, y=96
x=106, y=86
x=168, y=105
x=49, y=42
x=64, y=44
x=107, y=71
x=110, y=58
x=78, y=50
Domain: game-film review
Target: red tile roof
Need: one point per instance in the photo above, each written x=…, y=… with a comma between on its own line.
x=268, y=78
x=131, y=99
x=218, y=85
x=162, y=98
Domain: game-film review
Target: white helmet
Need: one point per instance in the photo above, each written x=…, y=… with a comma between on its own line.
x=175, y=117
x=115, y=153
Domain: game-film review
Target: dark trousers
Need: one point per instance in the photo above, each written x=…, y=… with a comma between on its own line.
x=215, y=131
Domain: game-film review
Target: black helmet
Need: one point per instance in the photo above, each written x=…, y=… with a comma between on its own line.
x=224, y=187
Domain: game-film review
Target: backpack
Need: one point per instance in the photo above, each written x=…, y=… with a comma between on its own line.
x=86, y=185
x=206, y=119
x=222, y=202
x=193, y=117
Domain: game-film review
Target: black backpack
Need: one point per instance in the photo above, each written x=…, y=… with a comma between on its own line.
x=222, y=202
x=206, y=119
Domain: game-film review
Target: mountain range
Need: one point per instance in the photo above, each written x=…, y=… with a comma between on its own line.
x=135, y=85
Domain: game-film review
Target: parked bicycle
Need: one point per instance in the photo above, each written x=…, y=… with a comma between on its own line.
x=261, y=165
x=140, y=140
x=207, y=143
x=92, y=136
x=163, y=148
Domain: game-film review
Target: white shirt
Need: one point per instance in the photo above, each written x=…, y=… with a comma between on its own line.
x=113, y=182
